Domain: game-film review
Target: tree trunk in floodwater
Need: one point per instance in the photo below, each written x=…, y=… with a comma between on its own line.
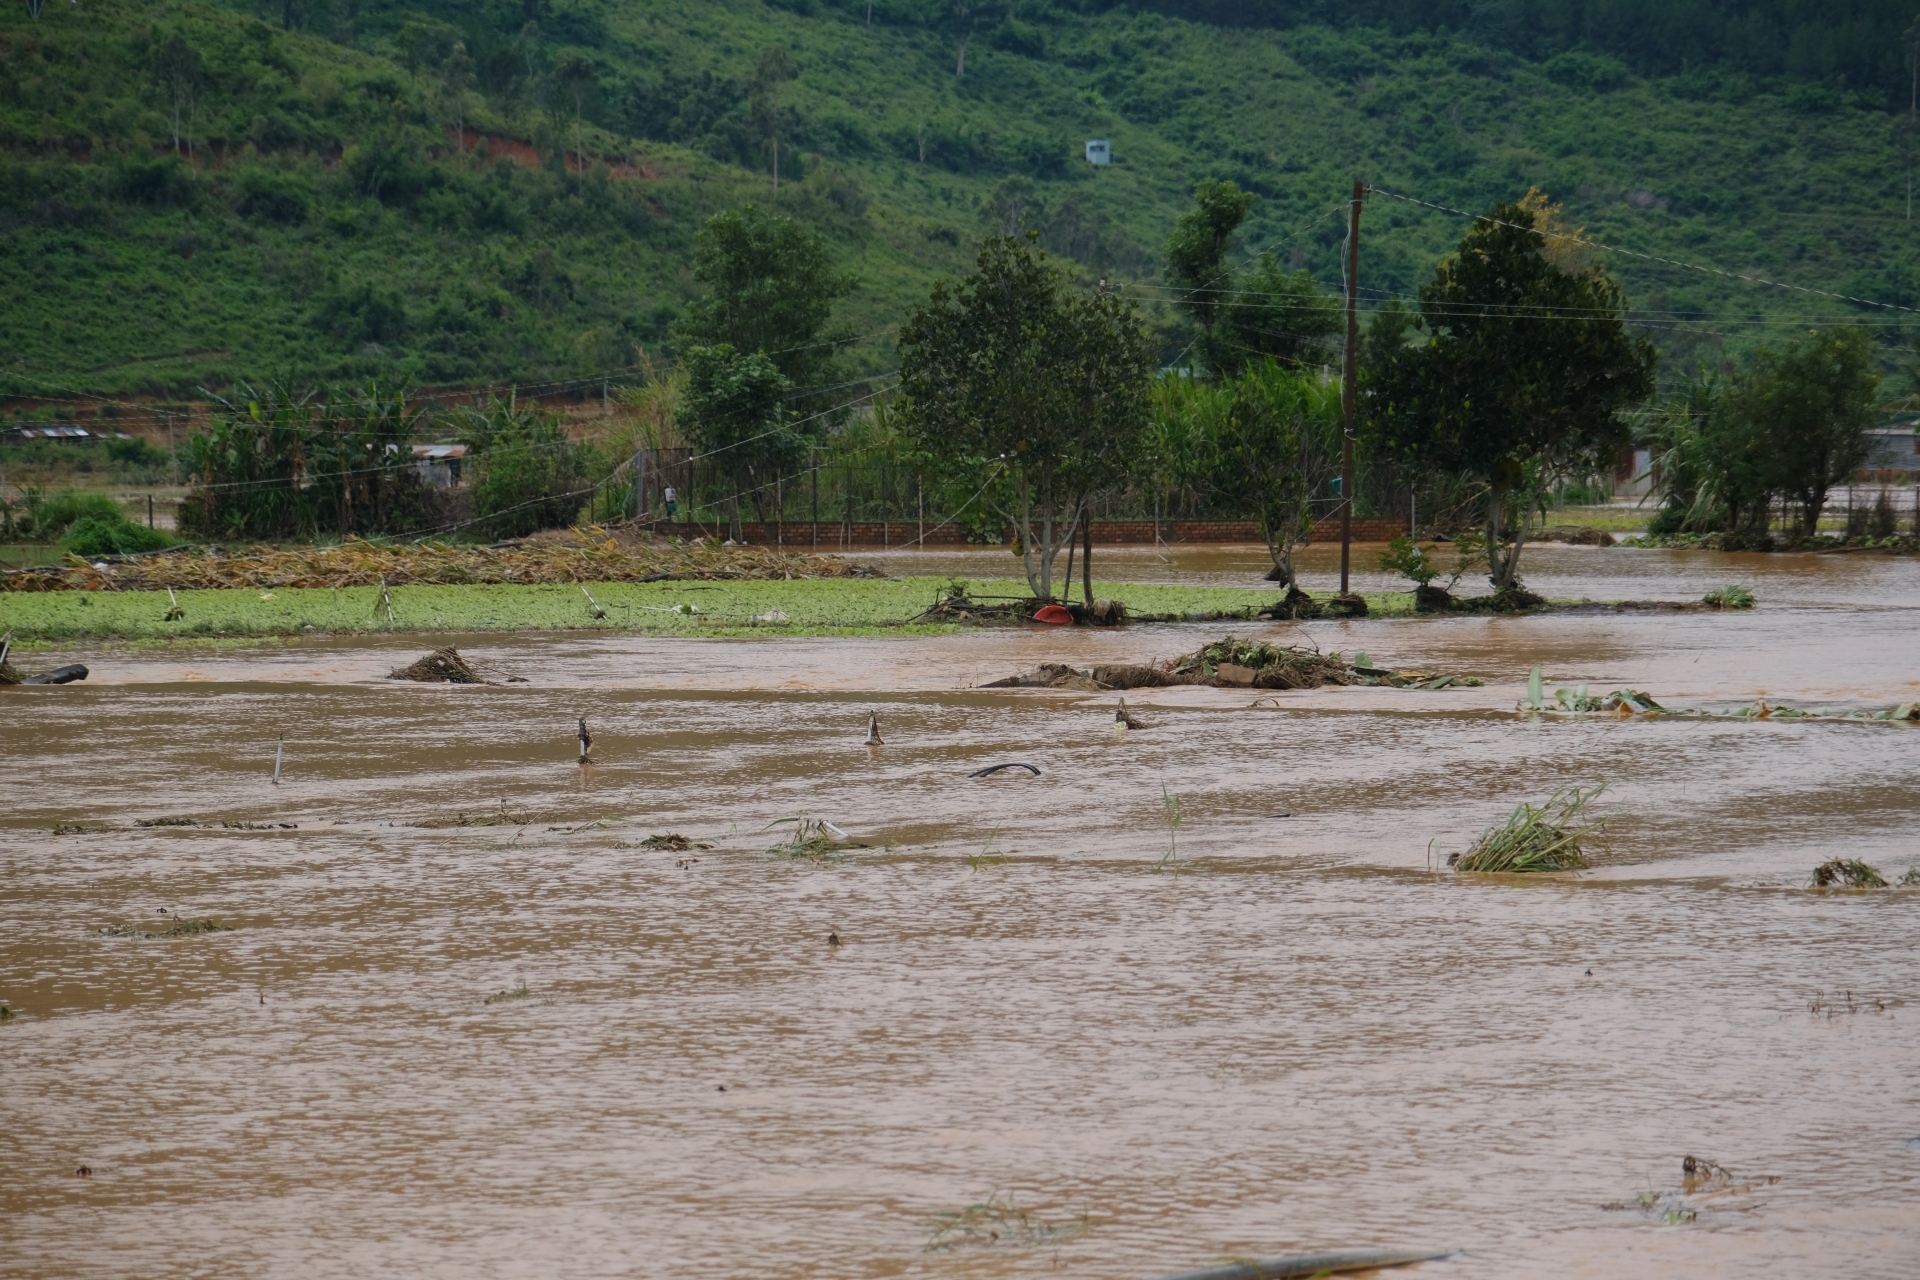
x=1086, y=557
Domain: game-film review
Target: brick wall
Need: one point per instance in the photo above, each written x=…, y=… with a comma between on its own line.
x=803, y=535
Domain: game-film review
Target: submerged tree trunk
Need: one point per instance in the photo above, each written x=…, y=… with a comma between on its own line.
x=1086, y=556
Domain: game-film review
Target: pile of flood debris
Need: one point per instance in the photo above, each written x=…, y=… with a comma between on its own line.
x=957, y=604
x=1232, y=663
x=447, y=666
x=590, y=554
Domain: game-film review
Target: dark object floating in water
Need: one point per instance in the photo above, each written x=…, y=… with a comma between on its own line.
x=442, y=666
x=1279, y=815
x=833, y=939
x=1848, y=873
x=1314, y=1264
x=995, y=768
x=59, y=675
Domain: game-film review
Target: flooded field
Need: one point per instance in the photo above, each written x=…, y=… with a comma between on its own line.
x=463, y=1023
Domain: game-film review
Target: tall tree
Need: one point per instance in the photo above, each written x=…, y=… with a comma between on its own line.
x=763, y=100
x=734, y=412
x=771, y=288
x=1274, y=452
x=1015, y=375
x=457, y=80
x=575, y=73
x=1273, y=313
x=1812, y=405
x=181, y=71
x=1197, y=250
x=1522, y=381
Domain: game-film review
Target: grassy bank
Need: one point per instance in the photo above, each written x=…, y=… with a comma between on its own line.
x=811, y=606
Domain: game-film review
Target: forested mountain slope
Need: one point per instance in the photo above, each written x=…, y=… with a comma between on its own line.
x=194, y=193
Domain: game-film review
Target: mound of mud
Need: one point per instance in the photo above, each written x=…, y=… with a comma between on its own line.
x=442, y=666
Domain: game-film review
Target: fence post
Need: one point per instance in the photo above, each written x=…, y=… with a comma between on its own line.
x=816, y=505
x=846, y=523
x=920, y=493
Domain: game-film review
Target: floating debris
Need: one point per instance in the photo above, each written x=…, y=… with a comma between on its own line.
x=992, y=769
x=590, y=554
x=1234, y=663
x=955, y=604
x=812, y=840
x=672, y=842
x=442, y=666
x=167, y=822
x=501, y=817
x=178, y=929
x=1702, y=1181
x=59, y=675
x=998, y=1222
x=1546, y=838
x=1579, y=701
x=1848, y=873
x=501, y=997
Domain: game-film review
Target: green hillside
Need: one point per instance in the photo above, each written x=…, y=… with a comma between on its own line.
x=312, y=213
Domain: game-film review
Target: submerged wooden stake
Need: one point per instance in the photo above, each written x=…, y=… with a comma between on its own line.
x=278, y=753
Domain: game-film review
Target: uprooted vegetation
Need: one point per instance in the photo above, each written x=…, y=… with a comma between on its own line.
x=1852, y=873
x=1546, y=837
x=447, y=666
x=811, y=840
x=581, y=555
x=998, y=1222
x=500, y=817
x=1232, y=663
x=177, y=929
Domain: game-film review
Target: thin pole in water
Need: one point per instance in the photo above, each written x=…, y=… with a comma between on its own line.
x=149, y=511
x=278, y=754
x=1348, y=397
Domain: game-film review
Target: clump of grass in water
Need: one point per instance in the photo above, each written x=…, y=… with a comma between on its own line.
x=989, y=856
x=1851, y=873
x=1731, y=596
x=501, y=997
x=1170, y=814
x=998, y=1221
x=1543, y=838
x=812, y=840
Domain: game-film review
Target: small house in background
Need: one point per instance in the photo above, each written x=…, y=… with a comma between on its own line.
x=439, y=464
x=1099, y=152
x=1893, y=451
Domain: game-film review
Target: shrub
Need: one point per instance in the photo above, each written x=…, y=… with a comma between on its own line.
x=50, y=516
x=91, y=536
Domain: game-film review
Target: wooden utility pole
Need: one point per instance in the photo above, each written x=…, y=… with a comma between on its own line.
x=1348, y=393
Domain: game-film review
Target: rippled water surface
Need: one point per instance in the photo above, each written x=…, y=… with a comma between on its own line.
x=1270, y=1028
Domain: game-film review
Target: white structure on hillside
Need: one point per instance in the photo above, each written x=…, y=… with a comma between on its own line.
x=1099, y=152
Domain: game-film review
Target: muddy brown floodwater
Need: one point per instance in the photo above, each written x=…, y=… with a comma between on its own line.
x=1284, y=1033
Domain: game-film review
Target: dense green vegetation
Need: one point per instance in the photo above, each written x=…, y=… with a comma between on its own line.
x=198, y=194
x=818, y=606
x=1790, y=426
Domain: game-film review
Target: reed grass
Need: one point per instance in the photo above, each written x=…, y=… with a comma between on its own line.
x=812, y=840
x=1546, y=837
